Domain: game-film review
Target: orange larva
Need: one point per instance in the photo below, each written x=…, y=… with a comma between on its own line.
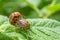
x=17, y=19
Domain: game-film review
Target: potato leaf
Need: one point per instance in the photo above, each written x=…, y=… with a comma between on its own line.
x=40, y=29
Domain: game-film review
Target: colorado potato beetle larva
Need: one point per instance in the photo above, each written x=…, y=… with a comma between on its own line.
x=17, y=19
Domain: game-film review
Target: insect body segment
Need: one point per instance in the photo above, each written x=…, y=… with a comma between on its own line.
x=25, y=23
x=14, y=17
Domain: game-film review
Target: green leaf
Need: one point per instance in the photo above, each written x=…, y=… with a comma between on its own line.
x=3, y=19
x=9, y=6
x=33, y=2
x=44, y=29
x=40, y=29
x=50, y=10
x=55, y=16
x=4, y=37
x=57, y=1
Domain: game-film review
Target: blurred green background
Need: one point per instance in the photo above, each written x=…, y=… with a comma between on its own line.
x=32, y=8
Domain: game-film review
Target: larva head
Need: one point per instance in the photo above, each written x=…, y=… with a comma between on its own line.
x=14, y=17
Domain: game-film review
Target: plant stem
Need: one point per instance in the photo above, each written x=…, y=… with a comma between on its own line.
x=52, y=4
x=39, y=12
x=35, y=8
